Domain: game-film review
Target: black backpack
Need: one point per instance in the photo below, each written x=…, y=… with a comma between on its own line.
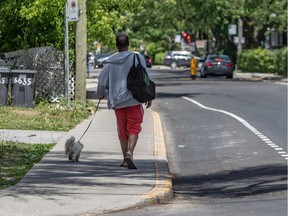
x=138, y=82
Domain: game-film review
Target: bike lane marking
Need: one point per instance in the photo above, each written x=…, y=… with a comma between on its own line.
x=246, y=124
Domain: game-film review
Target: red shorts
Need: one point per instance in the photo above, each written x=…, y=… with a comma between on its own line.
x=129, y=121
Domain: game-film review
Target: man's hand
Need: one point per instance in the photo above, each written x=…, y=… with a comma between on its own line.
x=148, y=104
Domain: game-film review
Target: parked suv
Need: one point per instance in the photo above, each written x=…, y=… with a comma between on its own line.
x=178, y=58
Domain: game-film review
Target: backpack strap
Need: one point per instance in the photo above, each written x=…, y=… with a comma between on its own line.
x=138, y=59
x=134, y=60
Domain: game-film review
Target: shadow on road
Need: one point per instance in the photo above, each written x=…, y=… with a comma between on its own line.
x=235, y=183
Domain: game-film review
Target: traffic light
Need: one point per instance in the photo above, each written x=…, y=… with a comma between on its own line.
x=187, y=37
x=184, y=34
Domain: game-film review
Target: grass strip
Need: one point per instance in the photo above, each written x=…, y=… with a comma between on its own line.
x=16, y=159
x=51, y=117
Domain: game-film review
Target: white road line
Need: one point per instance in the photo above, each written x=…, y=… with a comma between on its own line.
x=245, y=123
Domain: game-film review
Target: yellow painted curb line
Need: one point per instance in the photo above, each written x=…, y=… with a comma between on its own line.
x=162, y=190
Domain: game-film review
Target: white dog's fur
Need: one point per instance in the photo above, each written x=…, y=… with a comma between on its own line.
x=73, y=149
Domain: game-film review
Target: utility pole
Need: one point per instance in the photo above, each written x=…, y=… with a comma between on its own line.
x=240, y=35
x=81, y=52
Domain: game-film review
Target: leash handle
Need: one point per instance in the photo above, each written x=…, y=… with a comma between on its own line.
x=91, y=120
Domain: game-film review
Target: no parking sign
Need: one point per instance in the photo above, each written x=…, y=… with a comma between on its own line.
x=72, y=10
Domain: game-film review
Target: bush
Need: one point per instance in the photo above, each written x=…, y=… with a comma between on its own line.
x=156, y=52
x=258, y=60
x=282, y=61
x=159, y=58
x=264, y=61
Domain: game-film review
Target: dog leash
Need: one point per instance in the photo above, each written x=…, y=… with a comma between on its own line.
x=90, y=120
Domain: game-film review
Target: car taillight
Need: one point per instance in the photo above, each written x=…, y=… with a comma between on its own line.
x=150, y=60
x=229, y=65
x=208, y=64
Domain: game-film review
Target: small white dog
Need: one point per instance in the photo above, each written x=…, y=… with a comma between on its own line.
x=73, y=149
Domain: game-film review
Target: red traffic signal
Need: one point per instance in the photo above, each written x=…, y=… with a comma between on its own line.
x=188, y=38
x=184, y=34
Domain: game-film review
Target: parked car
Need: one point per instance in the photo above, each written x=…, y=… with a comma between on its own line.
x=217, y=65
x=148, y=61
x=178, y=58
x=100, y=59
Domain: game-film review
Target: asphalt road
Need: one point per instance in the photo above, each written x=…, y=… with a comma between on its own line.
x=226, y=142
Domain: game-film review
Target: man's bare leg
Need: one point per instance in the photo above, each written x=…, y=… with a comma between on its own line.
x=124, y=148
x=132, y=141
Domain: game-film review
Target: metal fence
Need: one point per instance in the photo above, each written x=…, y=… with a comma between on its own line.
x=49, y=66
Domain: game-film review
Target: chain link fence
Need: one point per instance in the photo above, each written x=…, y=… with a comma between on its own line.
x=49, y=66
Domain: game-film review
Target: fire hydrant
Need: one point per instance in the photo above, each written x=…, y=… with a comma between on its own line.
x=193, y=68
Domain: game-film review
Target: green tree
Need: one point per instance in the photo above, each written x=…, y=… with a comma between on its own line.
x=31, y=23
x=159, y=21
x=107, y=17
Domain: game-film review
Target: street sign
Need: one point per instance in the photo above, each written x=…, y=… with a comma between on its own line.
x=235, y=40
x=72, y=10
x=232, y=29
x=177, y=39
x=192, y=47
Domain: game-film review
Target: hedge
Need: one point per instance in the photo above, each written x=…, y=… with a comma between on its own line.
x=264, y=61
x=159, y=58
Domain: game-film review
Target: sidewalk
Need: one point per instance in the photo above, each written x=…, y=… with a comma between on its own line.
x=258, y=76
x=96, y=184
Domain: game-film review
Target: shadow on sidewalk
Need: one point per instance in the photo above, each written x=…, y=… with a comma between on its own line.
x=55, y=175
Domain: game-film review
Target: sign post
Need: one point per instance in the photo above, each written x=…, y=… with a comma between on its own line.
x=71, y=14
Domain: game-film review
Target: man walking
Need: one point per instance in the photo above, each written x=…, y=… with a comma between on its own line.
x=128, y=111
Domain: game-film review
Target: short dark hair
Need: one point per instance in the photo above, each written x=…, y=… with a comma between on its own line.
x=122, y=40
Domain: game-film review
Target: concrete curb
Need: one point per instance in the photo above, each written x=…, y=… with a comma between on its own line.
x=162, y=191
x=257, y=76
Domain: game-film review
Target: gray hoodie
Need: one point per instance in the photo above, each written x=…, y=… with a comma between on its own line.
x=112, y=80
